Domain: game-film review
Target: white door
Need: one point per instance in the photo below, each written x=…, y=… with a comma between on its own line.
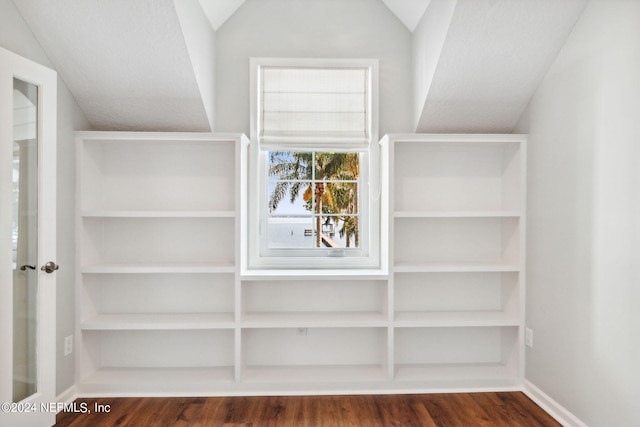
x=28, y=94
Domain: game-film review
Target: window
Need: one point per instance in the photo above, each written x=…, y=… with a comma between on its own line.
x=313, y=200
x=312, y=203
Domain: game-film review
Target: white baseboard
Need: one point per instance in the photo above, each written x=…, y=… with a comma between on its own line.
x=553, y=408
x=68, y=396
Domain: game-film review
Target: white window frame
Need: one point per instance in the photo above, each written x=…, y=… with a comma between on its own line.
x=370, y=254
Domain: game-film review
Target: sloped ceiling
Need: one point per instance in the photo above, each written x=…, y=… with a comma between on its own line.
x=127, y=62
x=494, y=56
x=408, y=11
x=218, y=11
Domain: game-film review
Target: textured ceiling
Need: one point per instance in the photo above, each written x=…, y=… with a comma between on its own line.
x=494, y=56
x=127, y=63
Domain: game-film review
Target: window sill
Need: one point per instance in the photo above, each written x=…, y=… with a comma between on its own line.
x=321, y=273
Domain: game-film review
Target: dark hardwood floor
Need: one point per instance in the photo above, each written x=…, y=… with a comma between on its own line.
x=458, y=409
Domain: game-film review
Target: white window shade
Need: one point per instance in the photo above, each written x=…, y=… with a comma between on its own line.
x=314, y=105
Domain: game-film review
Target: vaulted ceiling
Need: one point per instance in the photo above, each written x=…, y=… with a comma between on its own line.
x=408, y=11
x=135, y=64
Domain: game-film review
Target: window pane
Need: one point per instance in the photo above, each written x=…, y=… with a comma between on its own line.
x=340, y=231
x=340, y=198
x=290, y=232
x=337, y=166
x=313, y=200
x=289, y=218
x=285, y=165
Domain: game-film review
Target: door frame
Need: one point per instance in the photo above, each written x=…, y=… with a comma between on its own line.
x=32, y=411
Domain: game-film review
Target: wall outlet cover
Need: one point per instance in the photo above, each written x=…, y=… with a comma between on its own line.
x=528, y=337
x=68, y=345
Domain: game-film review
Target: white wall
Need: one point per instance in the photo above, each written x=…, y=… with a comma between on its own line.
x=584, y=220
x=313, y=29
x=17, y=37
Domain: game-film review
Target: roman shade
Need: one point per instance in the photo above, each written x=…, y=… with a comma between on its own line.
x=314, y=105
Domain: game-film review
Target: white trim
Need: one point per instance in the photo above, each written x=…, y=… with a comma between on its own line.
x=67, y=397
x=372, y=254
x=328, y=254
x=553, y=408
x=283, y=391
x=15, y=66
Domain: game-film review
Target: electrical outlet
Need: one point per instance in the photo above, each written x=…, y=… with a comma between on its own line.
x=528, y=337
x=68, y=345
x=301, y=331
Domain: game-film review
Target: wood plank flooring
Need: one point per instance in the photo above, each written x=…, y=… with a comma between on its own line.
x=511, y=409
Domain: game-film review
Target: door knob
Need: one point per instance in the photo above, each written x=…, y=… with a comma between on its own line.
x=24, y=267
x=50, y=267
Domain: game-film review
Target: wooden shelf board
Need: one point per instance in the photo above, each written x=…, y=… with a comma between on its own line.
x=152, y=321
x=106, y=213
x=454, y=319
x=156, y=379
x=108, y=268
x=313, y=319
x=461, y=267
x=463, y=373
x=307, y=374
x=458, y=214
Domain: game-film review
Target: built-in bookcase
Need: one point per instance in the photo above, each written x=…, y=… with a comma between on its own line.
x=457, y=282
x=163, y=308
x=157, y=231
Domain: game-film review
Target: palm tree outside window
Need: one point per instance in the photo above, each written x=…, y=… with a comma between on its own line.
x=322, y=189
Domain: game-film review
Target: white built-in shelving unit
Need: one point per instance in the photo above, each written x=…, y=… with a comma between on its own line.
x=457, y=206
x=157, y=230
x=163, y=308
